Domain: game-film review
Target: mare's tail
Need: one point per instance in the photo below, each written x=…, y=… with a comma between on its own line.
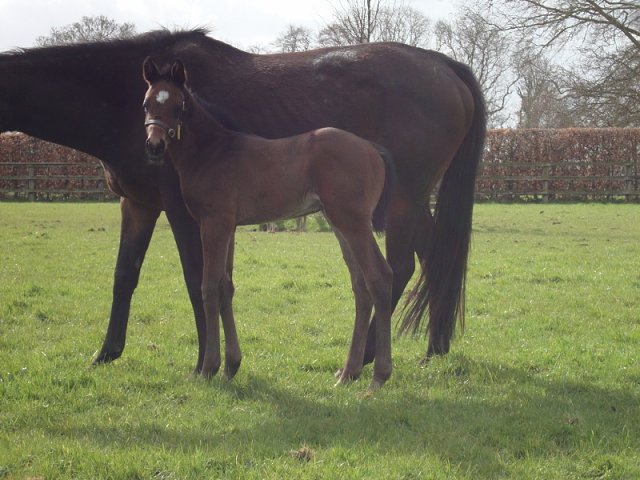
x=390, y=178
x=440, y=288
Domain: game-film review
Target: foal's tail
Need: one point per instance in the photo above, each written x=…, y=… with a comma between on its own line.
x=390, y=178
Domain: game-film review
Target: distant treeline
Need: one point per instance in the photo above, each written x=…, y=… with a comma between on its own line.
x=519, y=165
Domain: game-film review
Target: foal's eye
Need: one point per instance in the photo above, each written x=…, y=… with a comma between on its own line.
x=145, y=107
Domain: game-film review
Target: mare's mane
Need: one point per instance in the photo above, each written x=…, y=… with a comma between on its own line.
x=162, y=38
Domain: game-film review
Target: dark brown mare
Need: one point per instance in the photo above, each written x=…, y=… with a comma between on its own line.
x=424, y=107
x=228, y=178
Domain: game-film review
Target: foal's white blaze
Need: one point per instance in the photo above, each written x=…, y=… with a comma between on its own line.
x=162, y=96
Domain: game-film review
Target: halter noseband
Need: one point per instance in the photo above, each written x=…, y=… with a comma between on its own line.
x=172, y=132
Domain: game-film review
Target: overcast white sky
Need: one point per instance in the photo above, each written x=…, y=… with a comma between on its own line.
x=243, y=23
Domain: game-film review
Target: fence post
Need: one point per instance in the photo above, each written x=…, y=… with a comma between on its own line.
x=546, y=171
x=101, y=188
x=31, y=183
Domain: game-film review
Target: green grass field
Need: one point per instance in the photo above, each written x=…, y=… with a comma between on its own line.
x=544, y=383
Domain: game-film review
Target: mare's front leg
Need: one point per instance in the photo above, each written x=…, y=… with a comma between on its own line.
x=233, y=355
x=216, y=236
x=137, y=225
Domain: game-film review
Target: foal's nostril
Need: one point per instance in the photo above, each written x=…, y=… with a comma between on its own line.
x=155, y=149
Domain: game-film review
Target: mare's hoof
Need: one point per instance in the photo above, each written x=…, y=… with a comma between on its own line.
x=437, y=349
x=231, y=368
x=106, y=356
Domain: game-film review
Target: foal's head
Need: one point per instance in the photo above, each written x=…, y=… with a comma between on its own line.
x=164, y=105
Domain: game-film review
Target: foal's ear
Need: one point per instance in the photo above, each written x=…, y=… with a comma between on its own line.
x=150, y=70
x=179, y=73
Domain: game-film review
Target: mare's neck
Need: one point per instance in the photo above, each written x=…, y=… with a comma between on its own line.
x=66, y=101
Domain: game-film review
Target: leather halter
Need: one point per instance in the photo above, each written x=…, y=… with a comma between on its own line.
x=171, y=132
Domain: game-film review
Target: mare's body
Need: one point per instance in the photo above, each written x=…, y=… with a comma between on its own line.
x=424, y=107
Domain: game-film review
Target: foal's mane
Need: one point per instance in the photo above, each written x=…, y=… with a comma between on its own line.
x=214, y=110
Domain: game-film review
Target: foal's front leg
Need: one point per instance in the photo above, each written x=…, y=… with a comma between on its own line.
x=233, y=356
x=216, y=236
x=364, y=305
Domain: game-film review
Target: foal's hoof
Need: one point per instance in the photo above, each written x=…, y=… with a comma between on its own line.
x=425, y=361
x=380, y=376
x=376, y=384
x=209, y=372
x=345, y=377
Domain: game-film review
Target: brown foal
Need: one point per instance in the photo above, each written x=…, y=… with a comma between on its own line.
x=230, y=178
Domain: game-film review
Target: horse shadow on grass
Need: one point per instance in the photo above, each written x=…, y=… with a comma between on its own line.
x=523, y=415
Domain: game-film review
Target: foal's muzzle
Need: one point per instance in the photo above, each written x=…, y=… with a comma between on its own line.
x=155, y=150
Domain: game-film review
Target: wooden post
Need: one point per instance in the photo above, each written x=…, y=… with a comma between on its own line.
x=31, y=183
x=631, y=183
x=101, y=188
x=545, y=183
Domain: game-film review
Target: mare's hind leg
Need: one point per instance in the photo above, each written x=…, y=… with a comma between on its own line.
x=364, y=305
x=406, y=229
x=233, y=356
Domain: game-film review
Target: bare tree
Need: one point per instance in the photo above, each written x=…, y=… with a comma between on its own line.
x=604, y=36
x=560, y=21
x=294, y=39
x=258, y=49
x=404, y=24
x=471, y=39
x=375, y=21
x=540, y=88
x=88, y=29
x=605, y=92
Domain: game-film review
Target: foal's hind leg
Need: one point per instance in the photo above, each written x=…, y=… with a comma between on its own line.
x=364, y=305
x=404, y=229
x=377, y=276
